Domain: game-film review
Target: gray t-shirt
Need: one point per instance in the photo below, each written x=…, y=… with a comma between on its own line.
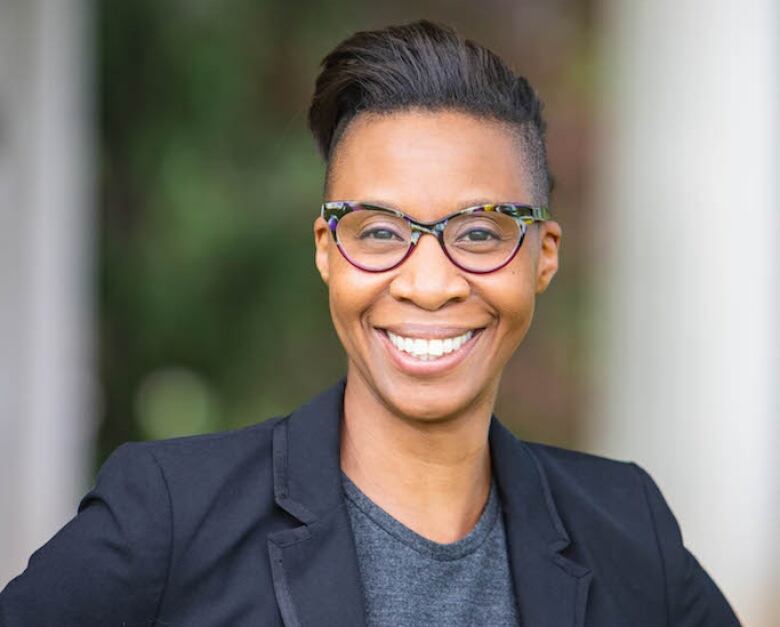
x=409, y=580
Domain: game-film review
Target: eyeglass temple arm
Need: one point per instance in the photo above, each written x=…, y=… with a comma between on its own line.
x=540, y=214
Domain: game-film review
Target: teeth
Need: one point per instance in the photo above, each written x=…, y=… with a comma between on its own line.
x=427, y=350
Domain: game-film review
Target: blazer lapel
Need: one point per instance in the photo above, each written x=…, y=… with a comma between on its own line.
x=551, y=589
x=314, y=565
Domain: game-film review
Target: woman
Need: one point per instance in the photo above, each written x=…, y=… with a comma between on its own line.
x=395, y=497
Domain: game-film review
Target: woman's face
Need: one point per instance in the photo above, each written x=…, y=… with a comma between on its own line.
x=430, y=164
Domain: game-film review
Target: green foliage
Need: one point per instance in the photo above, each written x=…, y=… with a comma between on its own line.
x=212, y=314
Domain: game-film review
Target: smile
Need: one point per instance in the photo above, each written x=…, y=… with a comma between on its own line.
x=429, y=349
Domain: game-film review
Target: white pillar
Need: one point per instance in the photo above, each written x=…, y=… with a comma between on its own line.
x=46, y=279
x=687, y=363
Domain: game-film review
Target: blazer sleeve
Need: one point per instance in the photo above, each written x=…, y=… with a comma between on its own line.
x=693, y=598
x=109, y=564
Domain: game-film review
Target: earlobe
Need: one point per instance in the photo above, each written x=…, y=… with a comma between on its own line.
x=322, y=242
x=549, y=244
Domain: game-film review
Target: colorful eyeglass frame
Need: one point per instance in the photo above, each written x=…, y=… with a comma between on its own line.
x=523, y=214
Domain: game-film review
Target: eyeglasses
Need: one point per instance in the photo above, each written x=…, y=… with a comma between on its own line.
x=478, y=239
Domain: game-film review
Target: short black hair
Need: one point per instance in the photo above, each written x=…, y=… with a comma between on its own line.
x=426, y=65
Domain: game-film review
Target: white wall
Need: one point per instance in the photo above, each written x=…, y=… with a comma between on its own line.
x=686, y=365
x=46, y=225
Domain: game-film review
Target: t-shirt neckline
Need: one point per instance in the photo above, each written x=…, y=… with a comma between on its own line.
x=436, y=550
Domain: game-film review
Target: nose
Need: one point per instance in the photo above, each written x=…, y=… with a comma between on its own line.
x=428, y=278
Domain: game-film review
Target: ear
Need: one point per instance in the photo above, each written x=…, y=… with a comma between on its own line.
x=322, y=244
x=547, y=261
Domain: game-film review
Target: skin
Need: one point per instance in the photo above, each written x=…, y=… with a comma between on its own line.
x=415, y=441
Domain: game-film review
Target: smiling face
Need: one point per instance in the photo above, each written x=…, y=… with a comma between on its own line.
x=427, y=340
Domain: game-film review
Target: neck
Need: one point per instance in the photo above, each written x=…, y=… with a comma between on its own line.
x=431, y=475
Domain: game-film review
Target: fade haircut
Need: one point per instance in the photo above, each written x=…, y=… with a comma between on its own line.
x=426, y=65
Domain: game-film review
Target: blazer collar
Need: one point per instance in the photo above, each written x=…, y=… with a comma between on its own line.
x=307, y=467
x=315, y=568
x=551, y=589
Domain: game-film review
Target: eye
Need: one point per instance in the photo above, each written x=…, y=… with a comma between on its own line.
x=478, y=235
x=379, y=233
x=480, y=229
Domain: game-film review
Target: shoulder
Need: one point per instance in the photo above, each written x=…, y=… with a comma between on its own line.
x=620, y=522
x=191, y=475
x=602, y=502
x=161, y=515
x=206, y=452
x=592, y=477
x=599, y=486
x=208, y=459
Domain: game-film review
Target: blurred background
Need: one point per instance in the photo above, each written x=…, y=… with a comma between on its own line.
x=158, y=186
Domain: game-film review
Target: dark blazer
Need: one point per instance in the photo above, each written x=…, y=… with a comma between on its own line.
x=249, y=527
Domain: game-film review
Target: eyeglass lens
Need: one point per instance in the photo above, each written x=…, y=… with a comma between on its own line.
x=481, y=241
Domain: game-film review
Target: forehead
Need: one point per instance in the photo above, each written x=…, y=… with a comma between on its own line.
x=428, y=163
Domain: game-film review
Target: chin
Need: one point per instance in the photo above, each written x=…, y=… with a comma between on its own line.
x=428, y=401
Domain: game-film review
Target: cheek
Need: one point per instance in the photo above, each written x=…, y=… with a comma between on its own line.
x=514, y=300
x=351, y=295
x=344, y=305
